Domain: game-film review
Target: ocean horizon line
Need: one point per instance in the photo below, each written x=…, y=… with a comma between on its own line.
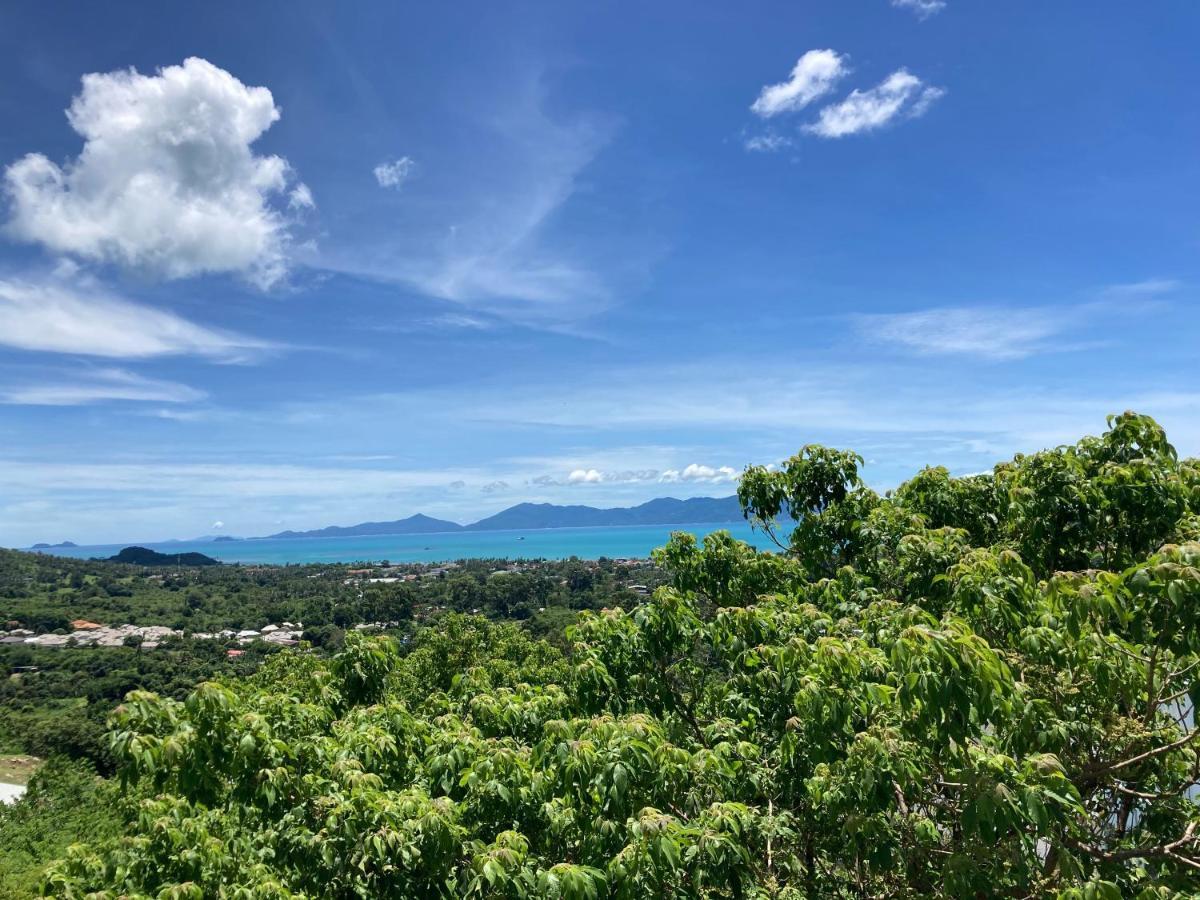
x=563, y=542
x=341, y=537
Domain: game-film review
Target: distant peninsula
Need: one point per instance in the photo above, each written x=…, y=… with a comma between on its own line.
x=418, y=524
x=53, y=546
x=141, y=556
x=661, y=511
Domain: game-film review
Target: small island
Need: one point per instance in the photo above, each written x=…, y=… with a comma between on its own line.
x=141, y=556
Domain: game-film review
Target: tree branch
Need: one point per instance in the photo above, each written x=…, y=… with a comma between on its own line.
x=1142, y=757
x=1159, y=851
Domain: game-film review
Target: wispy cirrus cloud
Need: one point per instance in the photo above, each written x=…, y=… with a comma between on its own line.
x=901, y=95
x=197, y=480
x=104, y=385
x=996, y=334
x=60, y=316
x=496, y=255
x=899, y=414
x=487, y=239
x=1150, y=287
x=453, y=320
x=1013, y=332
x=766, y=143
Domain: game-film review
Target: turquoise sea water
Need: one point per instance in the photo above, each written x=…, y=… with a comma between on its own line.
x=548, y=543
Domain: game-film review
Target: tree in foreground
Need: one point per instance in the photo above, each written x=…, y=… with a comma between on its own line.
x=971, y=687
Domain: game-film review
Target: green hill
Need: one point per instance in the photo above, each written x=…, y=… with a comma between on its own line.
x=140, y=556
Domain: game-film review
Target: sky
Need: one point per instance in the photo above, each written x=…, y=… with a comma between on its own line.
x=277, y=265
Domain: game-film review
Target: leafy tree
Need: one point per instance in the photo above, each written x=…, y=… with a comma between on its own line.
x=64, y=803
x=971, y=687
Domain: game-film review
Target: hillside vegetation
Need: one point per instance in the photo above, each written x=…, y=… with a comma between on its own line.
x=973, y=687
x=140, y=556
x=45, y=593
x=57, y=699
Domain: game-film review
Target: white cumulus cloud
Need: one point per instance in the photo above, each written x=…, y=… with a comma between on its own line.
x=61, y=317
x=585, y=476
x=700, y=473
x=597, y=476
x=393, y=174
x=814, y=75
x=900, y=94
x=166, y=182
x=922, y=9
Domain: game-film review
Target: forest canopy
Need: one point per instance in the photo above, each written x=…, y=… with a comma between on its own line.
x=970, y=686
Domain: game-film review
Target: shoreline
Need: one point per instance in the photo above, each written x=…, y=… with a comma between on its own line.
x=559, y=543
x=171, y=542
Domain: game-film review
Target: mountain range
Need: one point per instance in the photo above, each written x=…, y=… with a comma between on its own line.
x=418, y=524
x=661, y=511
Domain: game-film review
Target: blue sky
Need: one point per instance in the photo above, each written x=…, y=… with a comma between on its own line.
x=282, y=267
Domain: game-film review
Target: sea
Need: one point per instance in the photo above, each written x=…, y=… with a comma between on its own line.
x=546, y=543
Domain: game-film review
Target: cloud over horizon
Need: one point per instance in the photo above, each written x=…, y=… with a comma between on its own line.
x=701, y=473
x=693, y=472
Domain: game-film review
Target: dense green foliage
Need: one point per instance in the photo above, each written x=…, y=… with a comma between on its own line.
x=978, y=686
x=57, y=701
x=45, y=592
x=65, y=803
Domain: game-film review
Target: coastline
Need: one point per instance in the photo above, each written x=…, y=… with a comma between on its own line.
x=584, y=542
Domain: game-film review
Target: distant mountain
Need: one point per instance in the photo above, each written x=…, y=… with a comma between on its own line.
x=663, y=511
x=418, y=524
x=220, y=538
x=52, y=546
x=140, y=556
